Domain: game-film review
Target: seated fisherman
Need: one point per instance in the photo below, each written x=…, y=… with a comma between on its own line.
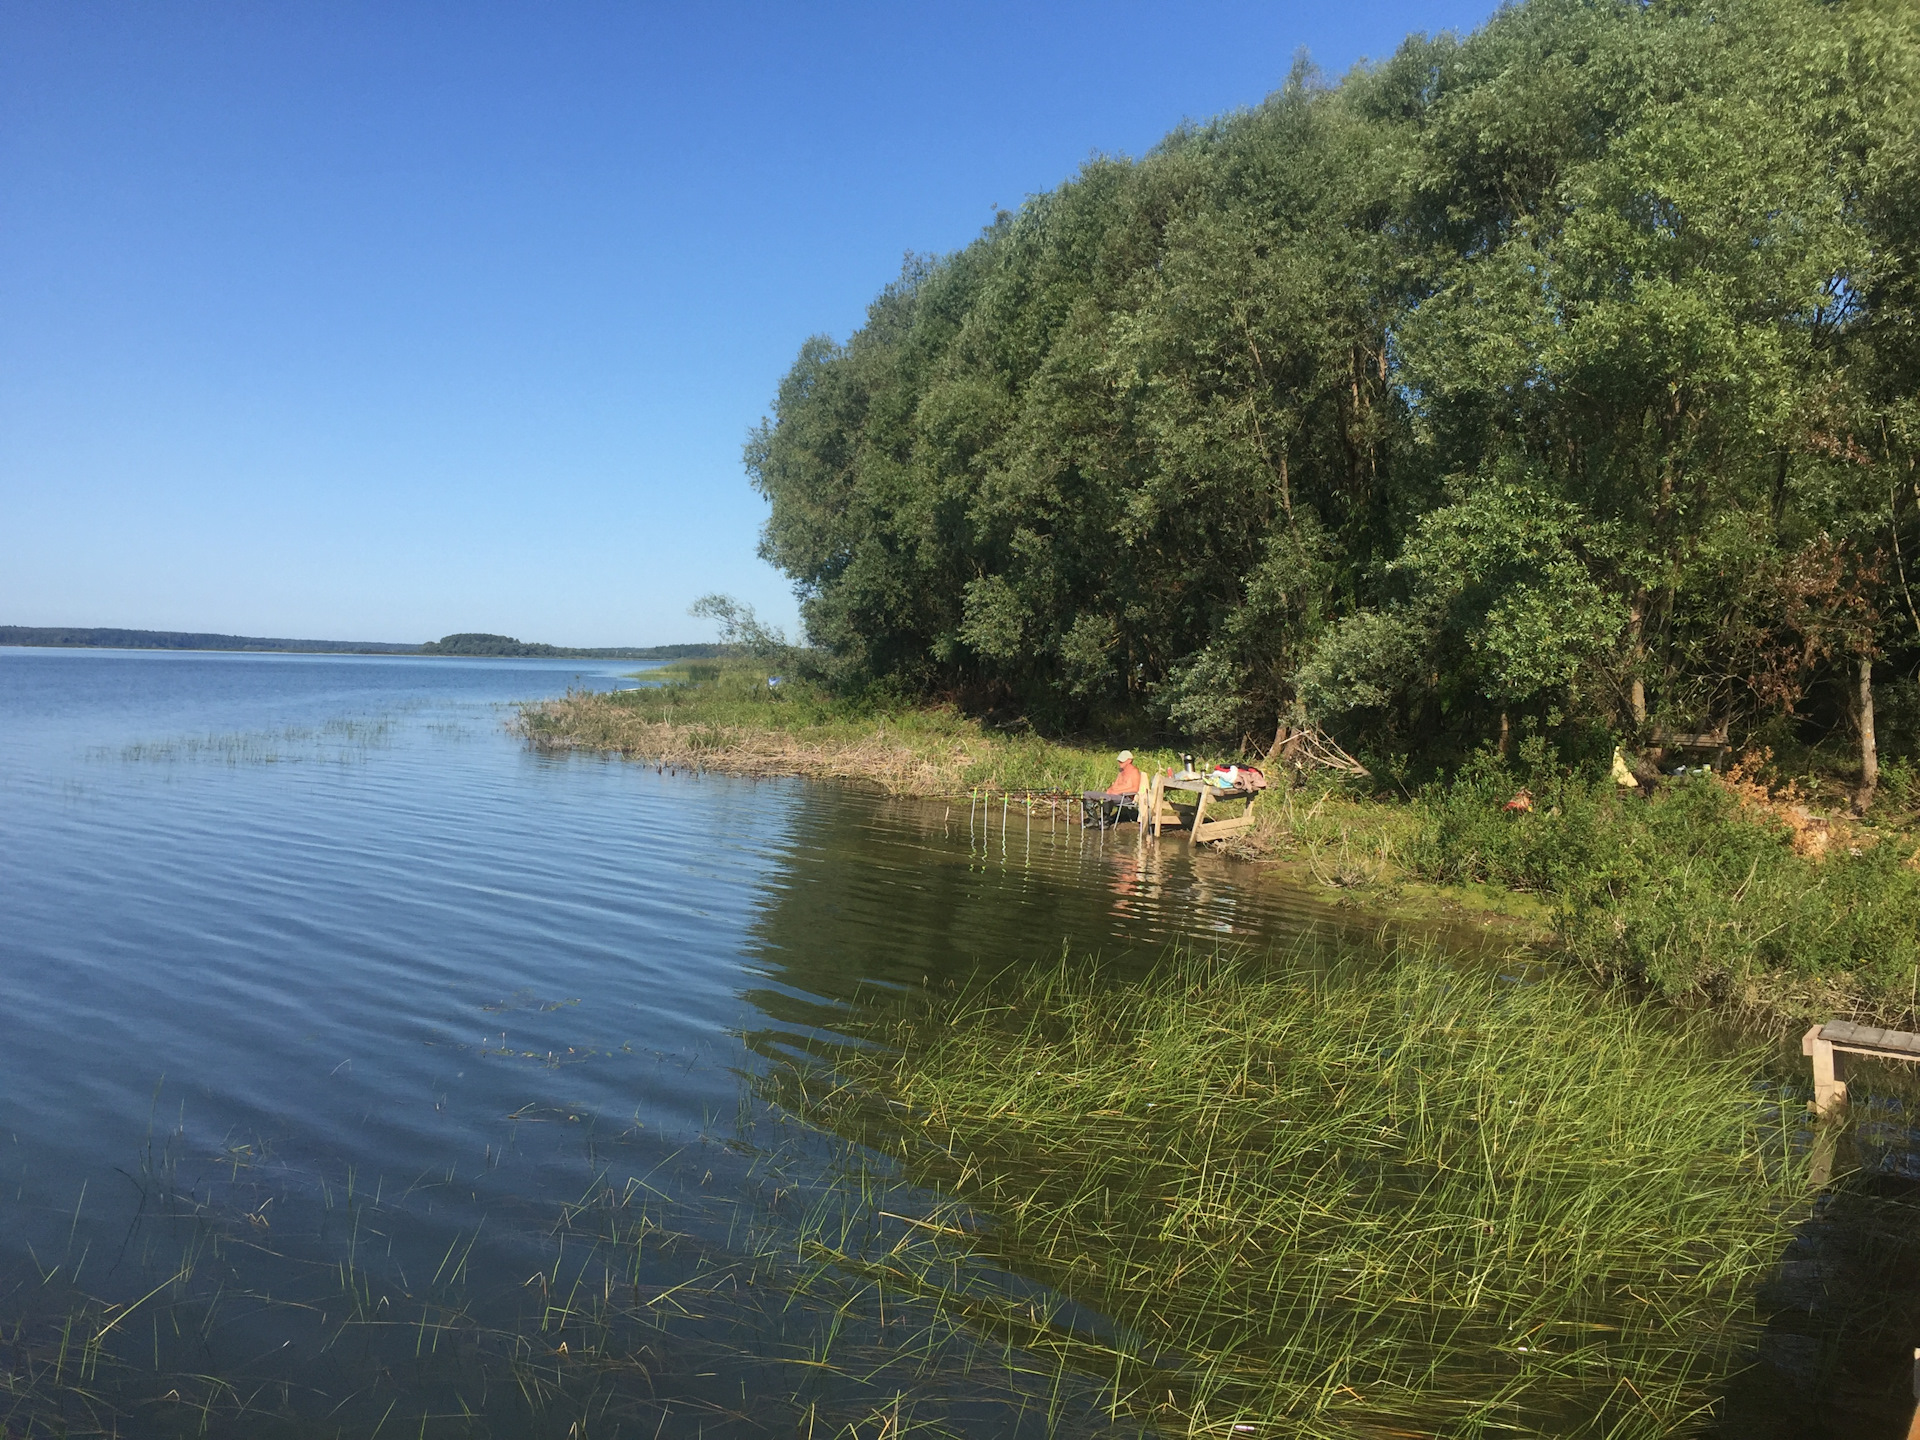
x=1129, y=780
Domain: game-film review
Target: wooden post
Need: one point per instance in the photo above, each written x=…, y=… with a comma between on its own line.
x=1913, y=1430
x=1826, y=1144
x=1829, y=1073
x=1200, y=814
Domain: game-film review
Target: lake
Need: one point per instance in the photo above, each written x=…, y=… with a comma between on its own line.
x=367, y=1072
x=352, y=1048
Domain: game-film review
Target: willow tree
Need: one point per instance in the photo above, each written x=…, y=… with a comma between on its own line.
x=1609, y=303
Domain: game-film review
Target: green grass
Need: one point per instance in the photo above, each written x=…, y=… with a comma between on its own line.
x=721, y=715
x=1403, y=1201
x=1690, y=893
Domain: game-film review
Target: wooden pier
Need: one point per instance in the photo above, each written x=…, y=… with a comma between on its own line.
x=1828, y=1045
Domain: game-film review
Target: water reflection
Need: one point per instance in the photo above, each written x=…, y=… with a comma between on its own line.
x=415, y=1092
x=410, y=1091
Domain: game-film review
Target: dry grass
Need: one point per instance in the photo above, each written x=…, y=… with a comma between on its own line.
x=901, y=764
x=721, y=716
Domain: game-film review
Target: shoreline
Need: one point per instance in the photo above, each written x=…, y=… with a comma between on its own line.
x=896, y=768
x=1362, y=852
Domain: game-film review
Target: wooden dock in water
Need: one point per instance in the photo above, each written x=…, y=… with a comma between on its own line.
x=1828, y=1045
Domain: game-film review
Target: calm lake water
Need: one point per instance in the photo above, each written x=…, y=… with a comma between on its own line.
x=358, y=1059
x=366, y=1072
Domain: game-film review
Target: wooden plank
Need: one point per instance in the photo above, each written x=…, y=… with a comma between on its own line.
x=1220, y=829
x=1828, y=1045
x=1217, y=829
x=1865, y=1039
x=1164, y=814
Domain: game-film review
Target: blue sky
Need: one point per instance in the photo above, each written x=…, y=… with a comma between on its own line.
x=379, y=321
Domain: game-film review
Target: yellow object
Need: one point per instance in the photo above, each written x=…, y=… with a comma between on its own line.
x=1623, y=775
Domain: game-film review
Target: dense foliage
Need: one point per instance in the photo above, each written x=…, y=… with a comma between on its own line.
x=1566, y=373
x=1694, y=893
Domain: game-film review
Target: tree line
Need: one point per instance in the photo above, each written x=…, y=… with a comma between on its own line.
x=1563, y=377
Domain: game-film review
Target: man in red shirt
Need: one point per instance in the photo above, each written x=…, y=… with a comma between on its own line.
x=1129, y=778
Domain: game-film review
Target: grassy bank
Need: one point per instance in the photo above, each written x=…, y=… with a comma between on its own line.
x=1723, y=889
x=722, y=715
x=1712, y=890
x=1391, y=1199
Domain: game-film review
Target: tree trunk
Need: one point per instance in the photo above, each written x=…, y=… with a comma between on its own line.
x=1869, y=751
x=1637, y=688
x=1506, y=736
x=1274, y=750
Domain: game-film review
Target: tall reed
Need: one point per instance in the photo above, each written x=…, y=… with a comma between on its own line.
x=1406, y=1200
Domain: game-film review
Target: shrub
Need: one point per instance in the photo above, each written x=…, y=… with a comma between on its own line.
x=1691, y=891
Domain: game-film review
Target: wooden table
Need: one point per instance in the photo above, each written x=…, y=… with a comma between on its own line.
x=1157, y=811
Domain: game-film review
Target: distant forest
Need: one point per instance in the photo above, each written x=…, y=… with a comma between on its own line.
x=465, y=644
x=99, y=638
x=480, y=644
x=1561, y=378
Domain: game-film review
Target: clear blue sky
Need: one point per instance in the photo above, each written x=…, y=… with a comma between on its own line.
x=378, y=321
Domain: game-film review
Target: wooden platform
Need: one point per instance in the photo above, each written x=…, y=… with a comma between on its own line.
x=1827, y=1044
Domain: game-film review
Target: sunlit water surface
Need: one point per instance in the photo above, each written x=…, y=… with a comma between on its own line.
x=368, y=1072
x=352, y=1047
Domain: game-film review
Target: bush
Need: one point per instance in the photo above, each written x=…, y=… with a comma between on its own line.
x=1691, y=891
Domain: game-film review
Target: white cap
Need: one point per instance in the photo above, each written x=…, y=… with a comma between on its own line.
x=1126, y=757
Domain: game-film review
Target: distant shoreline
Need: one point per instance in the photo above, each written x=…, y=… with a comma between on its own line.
x=107, y=638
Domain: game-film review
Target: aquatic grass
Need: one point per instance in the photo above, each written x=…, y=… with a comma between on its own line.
x=343, y=740
x=1406, y=1199
x=1042, y=1250
x=255, y=1297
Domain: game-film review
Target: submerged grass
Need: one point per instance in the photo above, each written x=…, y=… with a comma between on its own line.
x=343, y=740
x=1230, y=1198
x=247, y=1296
x=1334, y=1202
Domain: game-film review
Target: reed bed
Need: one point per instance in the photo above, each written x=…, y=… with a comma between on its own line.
x=1378, y=1196
x=1401, y=1201
x=343, y=740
